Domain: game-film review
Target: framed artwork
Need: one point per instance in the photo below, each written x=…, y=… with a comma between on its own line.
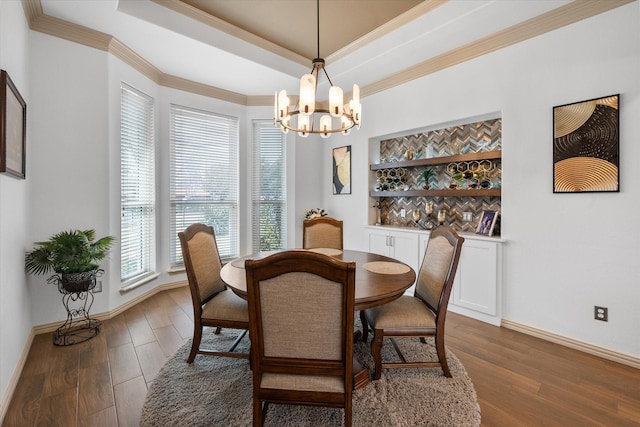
x=586, y=146
x=487, y=224
x=342, y=170
x=13, y=127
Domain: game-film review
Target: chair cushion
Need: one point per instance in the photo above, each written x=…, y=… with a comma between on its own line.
x=227, y=306
x=292, y=328
x=206, y=264
x=433, y=272
x=323, y=236
x=405, y=312
x=302, y=382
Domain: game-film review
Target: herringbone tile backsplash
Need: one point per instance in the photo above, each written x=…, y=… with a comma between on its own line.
x=469, y=138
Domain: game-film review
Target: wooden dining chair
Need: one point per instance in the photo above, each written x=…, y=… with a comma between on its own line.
x=322, y=232
x=296, y=361
x=213, y=304
x=423, y=314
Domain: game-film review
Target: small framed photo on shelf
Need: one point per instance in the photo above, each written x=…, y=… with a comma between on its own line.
x=489, y=223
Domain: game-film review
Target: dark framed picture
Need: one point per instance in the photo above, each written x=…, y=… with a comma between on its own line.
x=487, y=224
x=342, y=170
x=586, y=147
x=13, y=128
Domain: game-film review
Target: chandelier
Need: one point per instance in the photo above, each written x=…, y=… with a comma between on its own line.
x=307, y=115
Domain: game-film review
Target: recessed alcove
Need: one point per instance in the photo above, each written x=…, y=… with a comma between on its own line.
x=460, y=182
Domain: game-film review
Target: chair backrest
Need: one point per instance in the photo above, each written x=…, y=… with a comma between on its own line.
x=322, y=232
x=301, y=313
x=438, y=269
x=202, y=263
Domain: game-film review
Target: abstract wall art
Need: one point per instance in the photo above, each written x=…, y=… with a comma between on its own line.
x=342, y=170
x=586, y=146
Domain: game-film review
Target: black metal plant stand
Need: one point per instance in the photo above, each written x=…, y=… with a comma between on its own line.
x=77, y=300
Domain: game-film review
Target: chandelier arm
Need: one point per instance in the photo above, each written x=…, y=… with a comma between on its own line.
x=327, y=74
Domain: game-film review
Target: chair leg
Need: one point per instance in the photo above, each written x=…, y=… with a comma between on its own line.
x=265, y=407
x=218, y=330
x=347, y=414
x=257, y=412
x=442, y=355
x=365, y=326
x=195, y=345
x=376, y=351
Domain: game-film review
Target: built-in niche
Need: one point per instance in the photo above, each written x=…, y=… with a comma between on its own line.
x=479, y=136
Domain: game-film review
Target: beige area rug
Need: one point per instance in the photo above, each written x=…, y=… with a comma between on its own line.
x=216, y=391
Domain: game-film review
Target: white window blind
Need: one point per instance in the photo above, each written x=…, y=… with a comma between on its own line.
x=204, y=177
x=269, y=190
x=137, y=189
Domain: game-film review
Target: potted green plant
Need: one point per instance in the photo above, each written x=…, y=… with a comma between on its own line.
x=72, y=255
x=425, y=175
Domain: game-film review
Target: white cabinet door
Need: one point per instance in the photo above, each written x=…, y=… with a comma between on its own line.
x=406, y=248
x=402, y=246
x=379, y=242
x=395, y=244
x=476, y=283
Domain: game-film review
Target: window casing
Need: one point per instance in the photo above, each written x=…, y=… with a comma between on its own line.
x=268, y=188
x=204, y=177
x=137, y=186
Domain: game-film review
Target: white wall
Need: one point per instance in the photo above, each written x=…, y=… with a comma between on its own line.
x=565, y=253
x=15, y=304
x=69, y=153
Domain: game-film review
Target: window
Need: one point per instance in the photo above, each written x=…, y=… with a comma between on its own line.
x=204, y=177
x=137, y=189
x=268, y=188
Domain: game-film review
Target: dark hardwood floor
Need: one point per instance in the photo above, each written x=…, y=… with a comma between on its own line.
x=520, y=380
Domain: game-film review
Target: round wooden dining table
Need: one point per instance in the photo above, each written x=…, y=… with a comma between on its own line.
x=379, y=279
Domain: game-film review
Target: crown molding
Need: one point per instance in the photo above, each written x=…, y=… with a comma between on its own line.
x=174, y=82
x=128, y=56
x=56, y=27
x=423, y=8
x=39, y=21
x=552, y=20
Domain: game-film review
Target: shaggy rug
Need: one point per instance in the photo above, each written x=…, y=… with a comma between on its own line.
x=216, y=391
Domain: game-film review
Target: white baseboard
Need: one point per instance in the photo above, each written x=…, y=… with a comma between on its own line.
x=50, y=327
x=487, y=318
x=13, y=381
x=614, y=356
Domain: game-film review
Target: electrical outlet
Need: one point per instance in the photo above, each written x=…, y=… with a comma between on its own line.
x=467, y=216
x=601, y=313
x=403, y=213
x=98, y=287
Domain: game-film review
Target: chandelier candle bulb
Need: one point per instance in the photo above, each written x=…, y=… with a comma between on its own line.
x=335, y=101
x=303, y=125
x=344, y=123
x=307, y=94
x=283, y=104
x=325, y=126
